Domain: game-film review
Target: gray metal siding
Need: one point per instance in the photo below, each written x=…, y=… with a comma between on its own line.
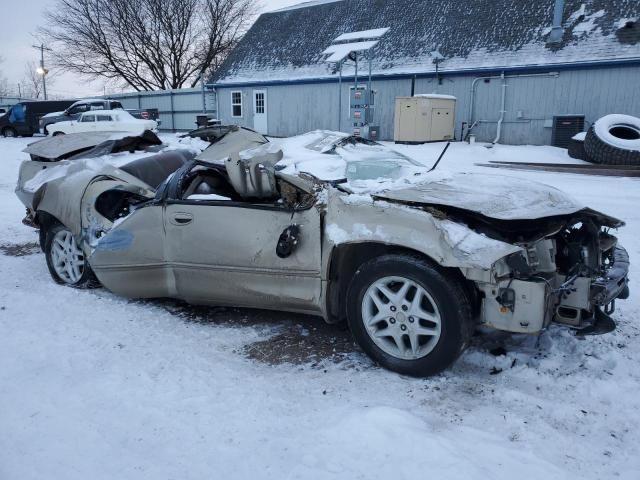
x=593, y=92
x=177, y=108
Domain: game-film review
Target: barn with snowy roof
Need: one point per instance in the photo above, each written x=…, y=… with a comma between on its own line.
x=540, y=59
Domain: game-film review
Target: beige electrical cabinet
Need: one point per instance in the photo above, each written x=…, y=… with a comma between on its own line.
x=424, y=118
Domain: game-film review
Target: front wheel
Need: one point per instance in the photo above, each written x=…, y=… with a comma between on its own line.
x=9, y=132
x=409, y=315
x=65, y=258
x=55, y=134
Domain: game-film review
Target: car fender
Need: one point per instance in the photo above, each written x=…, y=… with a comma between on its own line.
x=61, y=198
x=64, y=197
x=360, y=219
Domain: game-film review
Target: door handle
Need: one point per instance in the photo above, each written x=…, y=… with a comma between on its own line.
x=181, y=218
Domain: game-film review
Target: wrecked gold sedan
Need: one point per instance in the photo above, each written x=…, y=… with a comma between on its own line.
x=337, y=227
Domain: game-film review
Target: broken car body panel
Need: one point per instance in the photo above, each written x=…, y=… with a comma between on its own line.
x=353, y=219
x=493, y=196
x=233, y=228
x=56, y=157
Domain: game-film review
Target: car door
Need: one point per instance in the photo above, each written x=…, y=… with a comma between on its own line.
x=130, y=259
x=104, y=122
x=224, y=252
x=86, y=123
x=74, y=112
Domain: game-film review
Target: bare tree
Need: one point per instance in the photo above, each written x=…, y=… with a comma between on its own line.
x=4, y=84
x=146, y=44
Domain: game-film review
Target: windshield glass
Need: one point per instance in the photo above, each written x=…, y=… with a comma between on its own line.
x=337, y=157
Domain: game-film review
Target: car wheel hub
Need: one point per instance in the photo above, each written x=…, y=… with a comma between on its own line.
x=401, y=317
x=67, y=257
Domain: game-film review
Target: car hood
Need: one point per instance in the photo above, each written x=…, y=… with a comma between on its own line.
x=52, y=114
x=494, y=196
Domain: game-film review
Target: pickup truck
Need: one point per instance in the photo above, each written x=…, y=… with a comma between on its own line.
x=75, y=110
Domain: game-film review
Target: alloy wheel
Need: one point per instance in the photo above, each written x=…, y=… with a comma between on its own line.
x=67, y=257
x=401, y=317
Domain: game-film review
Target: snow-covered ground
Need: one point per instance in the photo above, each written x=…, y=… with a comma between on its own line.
x=96, y=386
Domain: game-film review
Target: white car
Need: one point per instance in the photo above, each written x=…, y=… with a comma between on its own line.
x=103, y=121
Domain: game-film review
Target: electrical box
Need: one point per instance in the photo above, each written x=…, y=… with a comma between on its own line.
x=361, y=97
x=370, y=132
x=361, y=116
x=424, y=118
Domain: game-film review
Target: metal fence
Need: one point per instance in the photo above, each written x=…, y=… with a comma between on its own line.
x=177, y=108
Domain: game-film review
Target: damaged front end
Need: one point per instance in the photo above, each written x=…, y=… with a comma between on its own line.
x=571, y=275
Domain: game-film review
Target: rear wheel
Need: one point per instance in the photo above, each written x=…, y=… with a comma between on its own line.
x=65, y=259
x=9, y=132
x=409, y=315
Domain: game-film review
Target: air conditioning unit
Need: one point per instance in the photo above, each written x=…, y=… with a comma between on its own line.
x=564, y=128
x=424, y=118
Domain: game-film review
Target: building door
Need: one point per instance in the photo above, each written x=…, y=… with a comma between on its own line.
x=260, y=111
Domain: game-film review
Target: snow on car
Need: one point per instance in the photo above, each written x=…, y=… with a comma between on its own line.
x=103, y=121
x=413, y=260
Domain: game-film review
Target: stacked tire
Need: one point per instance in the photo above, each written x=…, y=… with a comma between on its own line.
x=613, y=140
x=576, y=147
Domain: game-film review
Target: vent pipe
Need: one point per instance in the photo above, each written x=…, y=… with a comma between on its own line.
x=557, y=32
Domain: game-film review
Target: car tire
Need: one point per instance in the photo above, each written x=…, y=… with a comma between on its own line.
x=9, y=132
x=65, y=259
x=424, y=324
x=55, y=134
x=614, y=140
x=42, y=238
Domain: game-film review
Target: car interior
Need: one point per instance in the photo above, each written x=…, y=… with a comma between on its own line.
x=208, y=183
x=248, y=182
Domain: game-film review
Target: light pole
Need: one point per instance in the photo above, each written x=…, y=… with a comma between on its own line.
x=41, y=70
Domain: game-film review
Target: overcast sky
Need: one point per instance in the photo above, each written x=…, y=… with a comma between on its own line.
x=16, y=40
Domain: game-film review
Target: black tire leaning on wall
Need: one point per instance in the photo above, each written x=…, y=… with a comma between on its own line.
x=576, y=150
x=599, y=151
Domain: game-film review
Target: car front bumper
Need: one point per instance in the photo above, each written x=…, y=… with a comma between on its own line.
x=582, y=303
x=614, y=284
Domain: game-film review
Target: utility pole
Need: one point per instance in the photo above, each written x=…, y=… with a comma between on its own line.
x=42, y=70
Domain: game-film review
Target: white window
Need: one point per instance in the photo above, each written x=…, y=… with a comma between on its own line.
x=259, y=102
x=236, y=104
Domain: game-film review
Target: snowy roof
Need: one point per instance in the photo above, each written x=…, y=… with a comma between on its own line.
x=473, y=35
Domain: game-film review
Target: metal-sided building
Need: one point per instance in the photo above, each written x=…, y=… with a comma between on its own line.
x=543, y=58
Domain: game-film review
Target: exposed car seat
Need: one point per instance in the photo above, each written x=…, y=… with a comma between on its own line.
x=252, y=175
x=208, y=183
